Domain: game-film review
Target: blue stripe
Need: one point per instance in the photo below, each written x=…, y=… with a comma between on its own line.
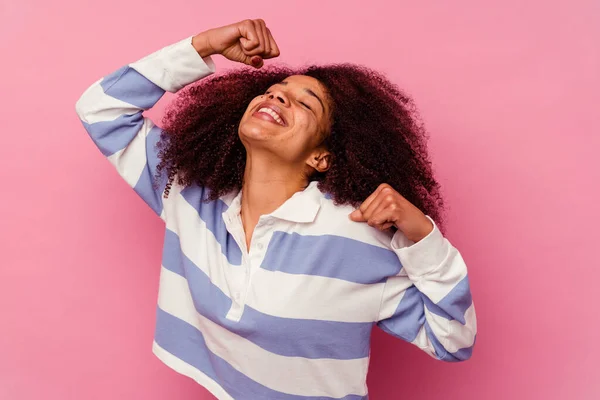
x=187, y=343
x=211, y=214
x=444, y=355
x=144, y=186
x=128, y=85
x=115, y=135
x=330, y=256
x=454, y=305
x=408, y=317
x=285, y=336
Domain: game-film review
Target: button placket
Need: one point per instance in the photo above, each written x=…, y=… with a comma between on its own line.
x=239, y=274
x=251, y=259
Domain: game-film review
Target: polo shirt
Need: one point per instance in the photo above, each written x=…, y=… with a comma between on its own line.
x=291, y=317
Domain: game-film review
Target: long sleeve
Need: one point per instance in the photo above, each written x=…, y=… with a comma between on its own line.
x=428, y=303
x=111, y=111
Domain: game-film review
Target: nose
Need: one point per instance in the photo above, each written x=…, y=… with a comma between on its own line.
x=279, y=96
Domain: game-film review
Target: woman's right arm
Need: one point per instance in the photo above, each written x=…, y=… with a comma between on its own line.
x=111, y=111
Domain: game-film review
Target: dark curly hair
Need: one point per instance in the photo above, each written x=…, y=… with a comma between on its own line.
x=376, y=135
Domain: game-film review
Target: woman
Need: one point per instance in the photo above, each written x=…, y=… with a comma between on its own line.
x=274, y=269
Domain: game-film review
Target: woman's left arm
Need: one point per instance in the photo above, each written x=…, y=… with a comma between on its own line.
x=428, y=303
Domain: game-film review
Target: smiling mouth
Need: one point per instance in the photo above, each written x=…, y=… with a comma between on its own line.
x=268, y=114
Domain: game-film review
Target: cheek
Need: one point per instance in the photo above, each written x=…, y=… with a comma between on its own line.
x=307, y=124
x=305, y=131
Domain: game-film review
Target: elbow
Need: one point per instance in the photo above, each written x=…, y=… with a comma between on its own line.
x=459, y=355
x=87, y=103
x=80, y=108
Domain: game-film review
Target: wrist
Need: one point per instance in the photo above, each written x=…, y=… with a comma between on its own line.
x=419, y=232
x=202, y=45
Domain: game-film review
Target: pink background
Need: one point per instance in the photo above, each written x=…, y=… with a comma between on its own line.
x=509, y=91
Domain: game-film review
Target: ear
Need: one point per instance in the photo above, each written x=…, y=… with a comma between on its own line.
x=320, y=160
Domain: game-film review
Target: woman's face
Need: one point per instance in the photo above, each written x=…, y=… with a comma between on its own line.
x=290, y=120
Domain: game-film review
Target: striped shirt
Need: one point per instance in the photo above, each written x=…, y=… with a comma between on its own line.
x=291, y=317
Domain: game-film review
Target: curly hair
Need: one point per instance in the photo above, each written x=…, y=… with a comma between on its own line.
x=376, y=135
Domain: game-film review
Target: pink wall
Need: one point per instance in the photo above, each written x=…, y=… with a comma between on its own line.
x=509, y=91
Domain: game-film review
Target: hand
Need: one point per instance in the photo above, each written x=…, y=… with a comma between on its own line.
x=385, y=208
x=248, y=42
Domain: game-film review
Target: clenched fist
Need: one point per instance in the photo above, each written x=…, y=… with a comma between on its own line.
x=248, y=42
x=385, y=208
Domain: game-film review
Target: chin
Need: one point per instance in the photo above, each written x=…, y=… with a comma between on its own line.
x=258, y=130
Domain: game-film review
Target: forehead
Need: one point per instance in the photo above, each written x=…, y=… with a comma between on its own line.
x=306, y=81
x=310, y=84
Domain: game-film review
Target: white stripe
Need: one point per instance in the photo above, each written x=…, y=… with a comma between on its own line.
x=394, y=293
x=175, y=66
x=96, y=106
x=439, y=283
x=313, y=297
x=190, y=371
x=130, y=162
x=422, y=341
x=293, y=375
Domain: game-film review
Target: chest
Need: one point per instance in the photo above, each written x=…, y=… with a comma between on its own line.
x=284, y=272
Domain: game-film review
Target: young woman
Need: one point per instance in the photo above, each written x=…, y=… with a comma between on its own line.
x=300, y=211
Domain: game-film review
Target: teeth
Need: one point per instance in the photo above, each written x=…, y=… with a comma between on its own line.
x=272, y=114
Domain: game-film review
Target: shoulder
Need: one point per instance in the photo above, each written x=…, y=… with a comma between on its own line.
x=334, y=219
x=193, y=200
x=357, y=245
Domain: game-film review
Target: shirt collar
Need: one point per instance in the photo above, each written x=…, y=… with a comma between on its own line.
x=303, y=206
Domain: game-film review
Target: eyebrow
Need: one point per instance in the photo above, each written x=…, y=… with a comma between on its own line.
x=310, y=92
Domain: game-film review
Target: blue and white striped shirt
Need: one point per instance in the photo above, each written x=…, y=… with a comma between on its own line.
x=291, y=318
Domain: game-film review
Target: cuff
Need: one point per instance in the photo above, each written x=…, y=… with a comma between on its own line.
x=425, y=256
x=175, y=66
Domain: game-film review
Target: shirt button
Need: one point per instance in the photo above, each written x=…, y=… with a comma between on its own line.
x=260, y=246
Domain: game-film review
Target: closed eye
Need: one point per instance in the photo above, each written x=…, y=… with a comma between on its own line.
x=304, y=104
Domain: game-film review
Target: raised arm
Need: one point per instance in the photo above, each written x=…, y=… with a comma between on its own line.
x=111, y=112
x=111, y=109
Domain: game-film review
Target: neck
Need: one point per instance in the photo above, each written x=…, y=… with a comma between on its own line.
x=267, y=185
